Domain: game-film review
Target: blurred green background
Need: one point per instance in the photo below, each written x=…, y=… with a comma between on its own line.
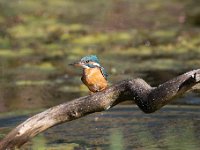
x=152, y=39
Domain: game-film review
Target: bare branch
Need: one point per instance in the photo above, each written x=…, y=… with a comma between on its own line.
x=149, y=99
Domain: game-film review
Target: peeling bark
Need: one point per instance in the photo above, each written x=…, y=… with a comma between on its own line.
x=149, y=99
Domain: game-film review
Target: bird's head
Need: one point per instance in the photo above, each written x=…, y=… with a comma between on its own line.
x=87, y=62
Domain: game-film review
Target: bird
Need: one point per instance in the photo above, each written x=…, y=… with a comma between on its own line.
x=94, y=75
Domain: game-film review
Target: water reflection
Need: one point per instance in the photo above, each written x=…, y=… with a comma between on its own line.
x=116, y=139
x=123, y=127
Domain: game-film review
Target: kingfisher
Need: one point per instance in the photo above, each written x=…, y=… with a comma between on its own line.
x=94, y=75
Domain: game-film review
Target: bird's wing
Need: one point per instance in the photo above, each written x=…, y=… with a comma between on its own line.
x=104, y=73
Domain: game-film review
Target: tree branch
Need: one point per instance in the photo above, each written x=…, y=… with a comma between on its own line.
x=149, y=99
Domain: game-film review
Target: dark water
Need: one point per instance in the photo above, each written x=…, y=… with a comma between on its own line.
x=122, y=127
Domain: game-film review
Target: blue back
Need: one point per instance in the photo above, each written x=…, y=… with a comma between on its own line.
x=104, y=73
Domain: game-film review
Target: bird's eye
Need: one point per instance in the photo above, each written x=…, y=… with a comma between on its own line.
x=87, y=61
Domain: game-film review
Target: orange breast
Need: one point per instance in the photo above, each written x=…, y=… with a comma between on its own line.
x=94, y=80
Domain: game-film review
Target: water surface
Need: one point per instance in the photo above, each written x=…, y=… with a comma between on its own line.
x=122, y=127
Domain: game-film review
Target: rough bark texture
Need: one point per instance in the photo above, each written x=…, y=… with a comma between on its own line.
x=149, y=99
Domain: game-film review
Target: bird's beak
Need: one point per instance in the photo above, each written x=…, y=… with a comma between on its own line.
x=77, y=64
